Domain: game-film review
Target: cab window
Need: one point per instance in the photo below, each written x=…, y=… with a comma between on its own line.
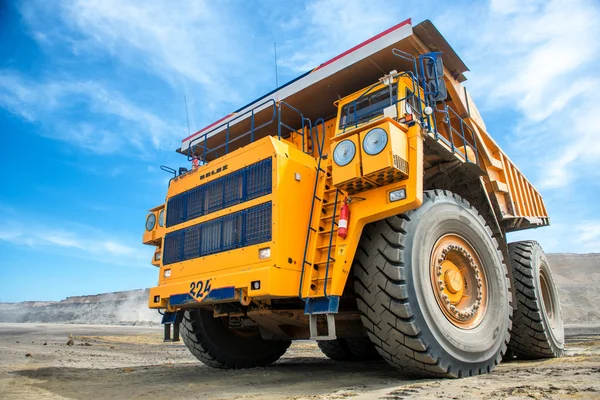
x=367, y=107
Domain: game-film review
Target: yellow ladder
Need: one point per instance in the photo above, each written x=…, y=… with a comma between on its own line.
x=321, y=239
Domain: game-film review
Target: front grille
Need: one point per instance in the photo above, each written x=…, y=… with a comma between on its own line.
x=240, y=186
x=240, y=229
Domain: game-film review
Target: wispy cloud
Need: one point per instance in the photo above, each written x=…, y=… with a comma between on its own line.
x=537, y=61
x=333, y=26
x=186, y=44
x=85, y=114
x=73, y=239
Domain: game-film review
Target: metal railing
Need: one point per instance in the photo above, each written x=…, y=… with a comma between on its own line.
x=277, y=109
x=463, y=127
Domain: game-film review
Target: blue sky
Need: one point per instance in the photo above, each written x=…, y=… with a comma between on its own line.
x=91, y=103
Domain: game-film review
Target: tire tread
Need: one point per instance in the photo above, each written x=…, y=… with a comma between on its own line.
x=530, y=339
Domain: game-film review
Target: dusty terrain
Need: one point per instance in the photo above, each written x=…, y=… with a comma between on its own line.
x=112, y=362
x=80, y=356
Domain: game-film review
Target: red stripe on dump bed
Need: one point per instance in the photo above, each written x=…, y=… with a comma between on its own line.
x=366, y=42
x=203, y=129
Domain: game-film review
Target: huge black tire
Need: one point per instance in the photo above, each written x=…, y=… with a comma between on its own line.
x=211, y=341
x=395, y=291
x=538, y=329
x=359, y=349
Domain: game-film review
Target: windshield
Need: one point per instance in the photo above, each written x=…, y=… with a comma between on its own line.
x=367, y=107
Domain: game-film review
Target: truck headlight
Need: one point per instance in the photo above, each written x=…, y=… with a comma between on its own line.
x=264, y=253
x=161, y=217
x=150, y=222
x=375, y=141
x=344, y=152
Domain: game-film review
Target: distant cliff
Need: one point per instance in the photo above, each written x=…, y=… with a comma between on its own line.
x=129, y=308
x=577, y=277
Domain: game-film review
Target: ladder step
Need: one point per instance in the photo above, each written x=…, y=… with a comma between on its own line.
x=323, y=262
x=325, y=246
x=326, y=231
x=329, y=216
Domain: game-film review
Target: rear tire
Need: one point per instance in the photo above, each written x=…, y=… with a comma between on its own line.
x=399, y=301
x=538, y=329
x=359, y=349
x=211, y=341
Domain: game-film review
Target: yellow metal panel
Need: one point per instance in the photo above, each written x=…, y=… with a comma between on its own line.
x=396, y=146
x=293, y=179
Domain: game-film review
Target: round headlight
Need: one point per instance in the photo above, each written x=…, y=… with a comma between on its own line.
x=150, y=222
x=375, y=141
x=344, y=152
x=161, y=218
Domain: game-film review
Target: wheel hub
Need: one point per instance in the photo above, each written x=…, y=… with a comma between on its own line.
x=458, y=281
x=453, y=279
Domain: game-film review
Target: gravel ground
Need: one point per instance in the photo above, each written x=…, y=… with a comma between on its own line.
x=113, y=362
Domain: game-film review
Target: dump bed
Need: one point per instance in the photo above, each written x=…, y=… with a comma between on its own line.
x=516, y=203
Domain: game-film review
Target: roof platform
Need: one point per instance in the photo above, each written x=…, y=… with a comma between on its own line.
x=312, y=95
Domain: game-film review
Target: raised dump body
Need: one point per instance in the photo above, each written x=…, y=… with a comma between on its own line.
x=348, y=201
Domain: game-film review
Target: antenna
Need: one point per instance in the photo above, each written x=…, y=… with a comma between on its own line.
x=186, y=114
x=276, y=72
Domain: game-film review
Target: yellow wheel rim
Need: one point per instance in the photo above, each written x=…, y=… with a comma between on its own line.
x=458, y=281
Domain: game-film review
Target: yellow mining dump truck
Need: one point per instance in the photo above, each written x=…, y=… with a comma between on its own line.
x=363, y=205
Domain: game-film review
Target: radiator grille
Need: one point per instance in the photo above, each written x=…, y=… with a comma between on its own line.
x=240, y=229
x=235, y=188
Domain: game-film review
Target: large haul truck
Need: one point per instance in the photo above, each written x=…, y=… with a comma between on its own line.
x=363, y=205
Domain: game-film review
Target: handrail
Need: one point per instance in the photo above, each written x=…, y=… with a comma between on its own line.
x=169, y=170
x=205, y=136
x=278, y=109
x=461, y=134
x=393, y=103
x=315, y=136
x=303, y=119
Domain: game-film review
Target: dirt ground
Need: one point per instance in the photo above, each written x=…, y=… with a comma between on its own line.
x=113, y=362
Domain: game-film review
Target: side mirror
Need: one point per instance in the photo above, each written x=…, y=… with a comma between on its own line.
x=432, y=69
x=435, y=69
x=437, y=89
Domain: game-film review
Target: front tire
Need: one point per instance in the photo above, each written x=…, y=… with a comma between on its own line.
x=402, y=285
x=538, y=329
x=211, y=341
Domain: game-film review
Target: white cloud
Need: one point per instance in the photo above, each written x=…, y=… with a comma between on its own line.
x=187, y=44
x=73, y=111
x=76, y=240
x=537, y=61
x=333, y=26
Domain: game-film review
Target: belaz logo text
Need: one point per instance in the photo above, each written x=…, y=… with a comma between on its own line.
x=213, y=172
